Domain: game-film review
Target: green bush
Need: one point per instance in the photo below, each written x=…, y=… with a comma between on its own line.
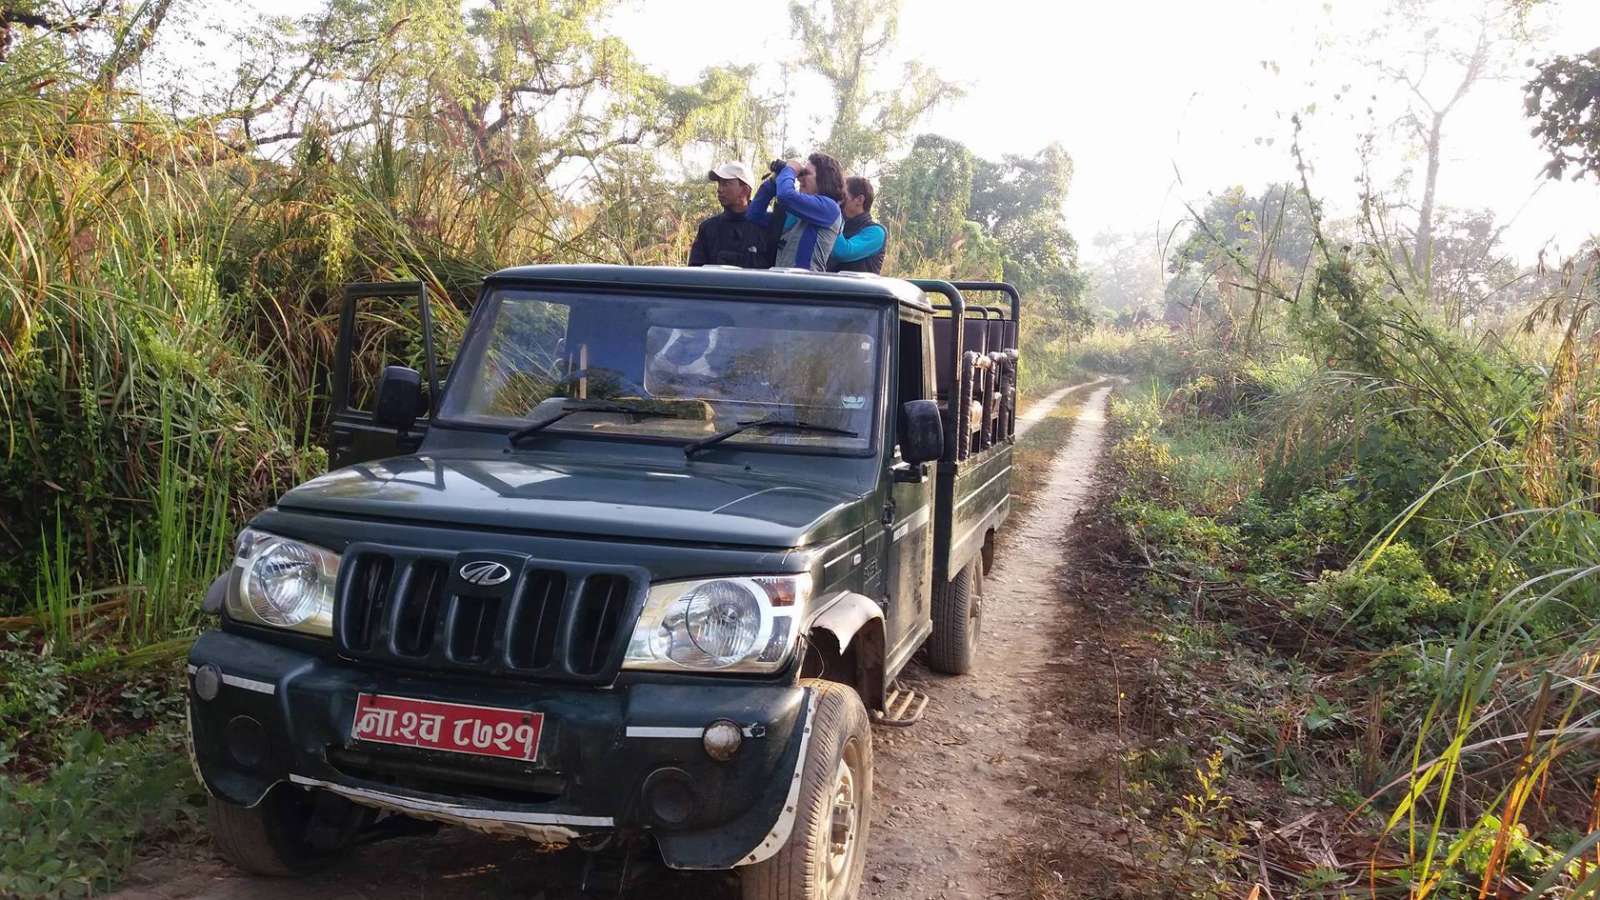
x=1181, y=543
x=1391, y=597
x=73, y=833
x=1146, y=460
x=1149, y=351
x=1319, y=530
x=33, y=697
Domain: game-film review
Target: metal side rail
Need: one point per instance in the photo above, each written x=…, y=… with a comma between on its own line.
x=902, y=708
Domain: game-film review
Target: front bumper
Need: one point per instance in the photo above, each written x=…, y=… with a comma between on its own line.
x=627, y=757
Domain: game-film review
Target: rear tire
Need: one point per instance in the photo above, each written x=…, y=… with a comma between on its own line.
x=827, y=848
x=290, y=832
x=957, y=622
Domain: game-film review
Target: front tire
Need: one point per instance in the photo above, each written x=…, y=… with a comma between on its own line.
x=826, y=851
x=957, y=622
x=290, y=832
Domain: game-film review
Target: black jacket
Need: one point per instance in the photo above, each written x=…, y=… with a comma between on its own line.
x=773, y=234
x=729, y=239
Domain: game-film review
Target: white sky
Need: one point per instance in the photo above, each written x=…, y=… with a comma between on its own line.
x=1143, y=92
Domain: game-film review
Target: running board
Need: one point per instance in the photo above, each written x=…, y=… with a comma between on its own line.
x=902, y=708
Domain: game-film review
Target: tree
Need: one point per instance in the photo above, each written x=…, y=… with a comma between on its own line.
x=1453, y=54
x=518, y=85
x=1564, y=99
x=1258, y=245
x=113, y=38
x=1019, y=200
x=956, y=215
x=927, y=194
x=1127, y=281
x=1472, y=272
x=844, y=41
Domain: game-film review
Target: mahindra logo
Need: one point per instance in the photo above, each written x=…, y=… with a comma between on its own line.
x=485, y=573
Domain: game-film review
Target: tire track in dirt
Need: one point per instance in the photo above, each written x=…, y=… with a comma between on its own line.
x=945, y=790
x=1044, y=406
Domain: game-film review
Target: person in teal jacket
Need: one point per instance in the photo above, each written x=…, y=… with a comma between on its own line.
x=811, y=191
x=860, y=245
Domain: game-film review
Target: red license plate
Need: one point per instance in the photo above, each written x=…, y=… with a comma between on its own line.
x=456, y=727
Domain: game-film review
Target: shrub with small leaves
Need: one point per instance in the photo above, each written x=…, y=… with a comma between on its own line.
x=72, y=834
x=1388, y=598
x=1180, y=543
x=33, y=695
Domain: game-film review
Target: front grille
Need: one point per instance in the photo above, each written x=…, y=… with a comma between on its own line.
x=547, y=620
x=370, y=581
x=473, y=631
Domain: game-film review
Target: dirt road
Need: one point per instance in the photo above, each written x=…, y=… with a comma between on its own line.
x=947, y=790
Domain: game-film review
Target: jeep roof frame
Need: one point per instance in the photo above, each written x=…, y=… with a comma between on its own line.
x=717, y=281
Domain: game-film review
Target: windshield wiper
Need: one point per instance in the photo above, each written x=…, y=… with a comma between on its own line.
x=533, y=428
x=775, y=423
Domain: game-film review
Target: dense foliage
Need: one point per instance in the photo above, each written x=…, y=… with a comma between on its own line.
x=1564, y=99
x=1383, y=526
x=168, y=289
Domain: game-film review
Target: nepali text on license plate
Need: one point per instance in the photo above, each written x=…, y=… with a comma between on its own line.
x=456, y=727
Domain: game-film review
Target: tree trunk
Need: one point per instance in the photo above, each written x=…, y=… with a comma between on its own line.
x=1424, y=258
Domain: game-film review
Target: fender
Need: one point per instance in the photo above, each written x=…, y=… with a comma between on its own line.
x=844, y=616
x=855, y=625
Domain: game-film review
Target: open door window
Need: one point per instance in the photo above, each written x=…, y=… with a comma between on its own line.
x=385, y=373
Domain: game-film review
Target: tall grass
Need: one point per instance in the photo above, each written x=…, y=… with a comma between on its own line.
x=123, y=396
x=181, y=546
x=54, y=593
x=1485, y=455
x=168, y=308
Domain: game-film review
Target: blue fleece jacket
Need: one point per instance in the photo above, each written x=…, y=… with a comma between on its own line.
x=817, y=221
x=866, y=242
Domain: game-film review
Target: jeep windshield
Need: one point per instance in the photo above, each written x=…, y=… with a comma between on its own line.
x=669, y=369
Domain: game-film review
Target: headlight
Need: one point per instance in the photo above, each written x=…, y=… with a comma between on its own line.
x=719, y=624
x=283, y=583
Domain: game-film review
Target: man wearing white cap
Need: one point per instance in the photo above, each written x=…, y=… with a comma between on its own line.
x=730, y=239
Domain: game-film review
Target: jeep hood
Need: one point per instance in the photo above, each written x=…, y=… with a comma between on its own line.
x=579, y=499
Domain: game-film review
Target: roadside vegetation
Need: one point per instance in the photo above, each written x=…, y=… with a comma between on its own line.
x=1348, y=543
x=1360, y=529
x=172, y=251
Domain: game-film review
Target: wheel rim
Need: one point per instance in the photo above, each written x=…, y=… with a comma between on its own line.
x=842, y=827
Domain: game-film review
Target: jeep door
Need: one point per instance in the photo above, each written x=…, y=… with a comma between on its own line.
x=379, y=325
x=908, y=518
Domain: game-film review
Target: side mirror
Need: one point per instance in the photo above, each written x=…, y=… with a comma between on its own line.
x=921, y=432
x=399, y=398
